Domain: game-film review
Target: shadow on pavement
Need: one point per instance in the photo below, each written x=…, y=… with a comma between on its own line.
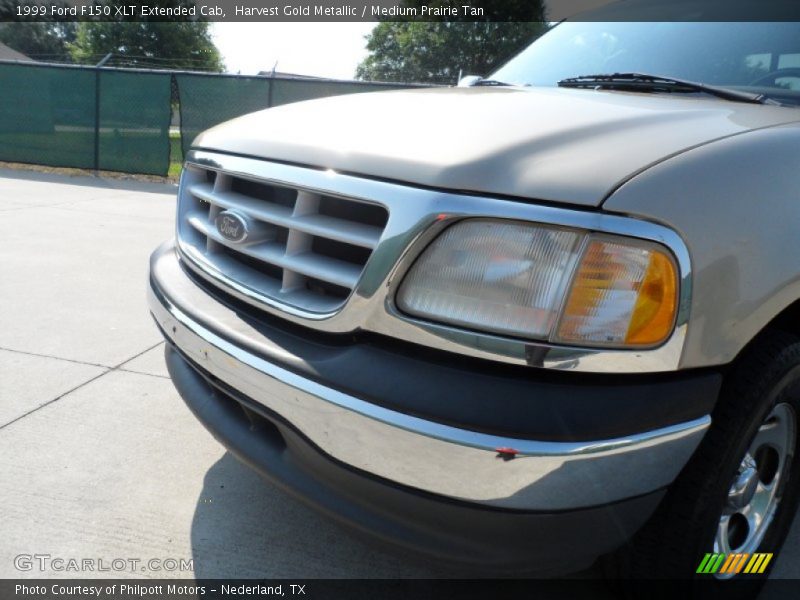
x=123, y=182
x=246, y=527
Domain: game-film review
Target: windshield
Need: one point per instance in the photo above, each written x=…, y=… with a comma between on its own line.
x=757, y=57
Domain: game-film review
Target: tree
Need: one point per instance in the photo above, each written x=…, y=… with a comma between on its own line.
x=40, y=41
x=177, y=44
x=435, y=52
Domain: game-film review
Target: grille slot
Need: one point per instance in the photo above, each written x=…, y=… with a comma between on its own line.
x=304, y=249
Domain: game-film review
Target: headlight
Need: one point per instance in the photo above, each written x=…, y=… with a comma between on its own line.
x=543, y=282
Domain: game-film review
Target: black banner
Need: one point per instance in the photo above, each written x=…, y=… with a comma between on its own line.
x=399, y=10
x=381, y=589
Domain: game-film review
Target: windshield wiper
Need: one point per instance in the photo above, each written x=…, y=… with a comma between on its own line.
x=655, y=83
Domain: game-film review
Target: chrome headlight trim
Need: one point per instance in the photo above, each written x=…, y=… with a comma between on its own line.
x=416, y=217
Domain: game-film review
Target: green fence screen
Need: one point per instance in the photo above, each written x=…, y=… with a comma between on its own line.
x=55, y=116
x=134, y=122
x=119, y=119
x=47, y=116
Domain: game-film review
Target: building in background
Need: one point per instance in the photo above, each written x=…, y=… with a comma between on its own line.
x=7, y=53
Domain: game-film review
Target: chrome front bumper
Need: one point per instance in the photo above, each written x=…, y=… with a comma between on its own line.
x=433, y=457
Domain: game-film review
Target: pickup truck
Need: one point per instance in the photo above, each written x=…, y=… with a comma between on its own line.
x=549, y=316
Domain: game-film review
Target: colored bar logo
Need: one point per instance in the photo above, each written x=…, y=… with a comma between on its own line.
x=732, y=564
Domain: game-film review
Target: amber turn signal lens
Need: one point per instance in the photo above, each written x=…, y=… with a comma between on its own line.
x=656, y=304
x=622, y=294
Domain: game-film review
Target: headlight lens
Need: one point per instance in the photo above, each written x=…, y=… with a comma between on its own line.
x=493, y=276
x=543, y=282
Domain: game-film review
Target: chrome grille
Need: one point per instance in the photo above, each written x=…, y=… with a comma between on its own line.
x=303, y=248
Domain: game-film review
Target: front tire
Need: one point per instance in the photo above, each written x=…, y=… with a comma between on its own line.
x=740, y=491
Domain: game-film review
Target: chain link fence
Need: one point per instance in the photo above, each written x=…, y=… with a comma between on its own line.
x=116, y=119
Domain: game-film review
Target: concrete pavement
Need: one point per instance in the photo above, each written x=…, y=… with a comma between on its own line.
x=99, y=458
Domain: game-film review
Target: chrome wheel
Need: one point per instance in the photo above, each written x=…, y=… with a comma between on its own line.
x=756, y=490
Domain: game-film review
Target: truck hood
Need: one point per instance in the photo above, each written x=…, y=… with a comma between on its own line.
x=559, y=145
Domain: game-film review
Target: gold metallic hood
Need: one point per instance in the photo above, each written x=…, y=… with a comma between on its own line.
x=561, y=145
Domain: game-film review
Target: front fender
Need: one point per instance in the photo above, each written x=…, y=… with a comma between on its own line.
x=736, y=203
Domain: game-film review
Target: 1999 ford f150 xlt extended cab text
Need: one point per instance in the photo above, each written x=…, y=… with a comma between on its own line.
x=523, y=323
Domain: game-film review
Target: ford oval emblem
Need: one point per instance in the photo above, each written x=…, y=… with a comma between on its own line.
x=231, y=226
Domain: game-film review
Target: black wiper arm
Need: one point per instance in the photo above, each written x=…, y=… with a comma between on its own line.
x=634, y=81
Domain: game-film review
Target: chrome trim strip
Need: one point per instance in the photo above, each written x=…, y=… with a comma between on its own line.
x=422, y=454
x=416, y=216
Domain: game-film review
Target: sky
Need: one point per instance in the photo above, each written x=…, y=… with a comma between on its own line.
x=321, y=49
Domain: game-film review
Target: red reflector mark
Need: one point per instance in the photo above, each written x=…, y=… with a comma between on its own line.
x=506, y=453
